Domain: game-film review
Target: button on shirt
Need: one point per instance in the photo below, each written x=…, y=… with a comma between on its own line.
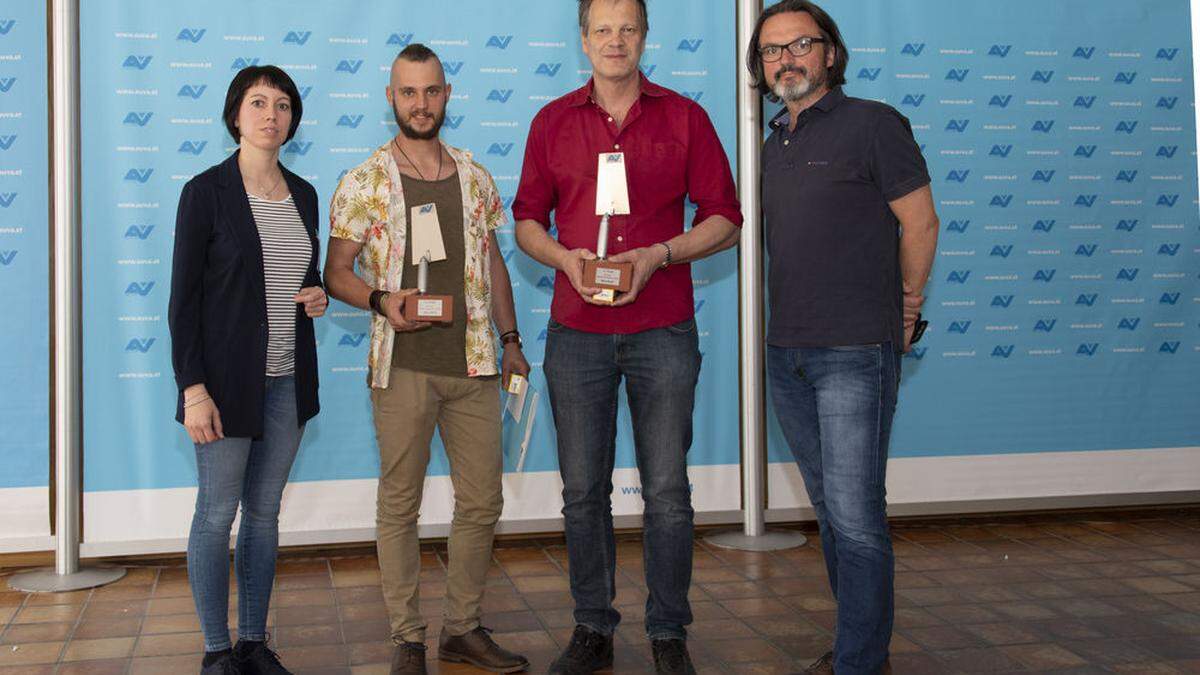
x=671, y=152
x=833, y=241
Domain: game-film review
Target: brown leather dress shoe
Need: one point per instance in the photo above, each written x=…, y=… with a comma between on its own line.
x=480, y=650
x=408, y=659
x=824, y=666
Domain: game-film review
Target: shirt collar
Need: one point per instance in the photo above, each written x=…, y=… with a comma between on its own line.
x=583, y=94
x=826, y=103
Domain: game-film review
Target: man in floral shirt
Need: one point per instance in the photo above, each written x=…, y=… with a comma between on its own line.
x=424, y=375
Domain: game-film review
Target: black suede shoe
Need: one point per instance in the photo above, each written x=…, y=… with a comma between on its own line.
x=671, y=657
x=409, y=658
x=588, y=652
x=822, y=666
x=222, y=664
x=256, y=658
x=480, y=650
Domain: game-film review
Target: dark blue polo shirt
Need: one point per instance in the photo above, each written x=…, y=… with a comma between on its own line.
x=834, y=244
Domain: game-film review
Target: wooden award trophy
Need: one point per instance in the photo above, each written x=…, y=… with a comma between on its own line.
x=425, y=307
x=610, y=277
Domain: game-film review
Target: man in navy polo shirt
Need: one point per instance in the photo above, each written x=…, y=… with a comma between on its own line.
x=851, y=233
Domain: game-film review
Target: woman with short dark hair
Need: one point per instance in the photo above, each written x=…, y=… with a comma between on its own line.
x=244, y=292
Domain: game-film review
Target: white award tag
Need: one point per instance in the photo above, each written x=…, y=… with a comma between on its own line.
x=612, y=189
x=426, y=234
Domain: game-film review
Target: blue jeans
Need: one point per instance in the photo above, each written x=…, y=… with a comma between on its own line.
x=252, y=471
x=835, y=406
x=583, y=373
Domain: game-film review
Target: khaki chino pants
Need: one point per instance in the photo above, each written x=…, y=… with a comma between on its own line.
x=467, y=413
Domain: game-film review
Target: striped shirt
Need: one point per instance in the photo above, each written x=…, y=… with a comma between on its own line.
x=286, y=250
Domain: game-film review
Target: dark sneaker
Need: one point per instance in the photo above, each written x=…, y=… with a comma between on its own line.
x=409, y=658
x=822, y=666
x=480, y=650
x=256, y=658
x=223, y=665
x=671, y=657
x=588, y=652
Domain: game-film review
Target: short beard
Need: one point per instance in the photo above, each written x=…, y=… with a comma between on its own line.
x=415, y=135
x=790, y=93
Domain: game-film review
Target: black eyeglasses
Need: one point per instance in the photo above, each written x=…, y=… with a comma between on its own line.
x=798, y=47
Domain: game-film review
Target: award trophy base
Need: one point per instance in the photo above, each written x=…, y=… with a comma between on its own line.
x=430, y=308
x=609, y=276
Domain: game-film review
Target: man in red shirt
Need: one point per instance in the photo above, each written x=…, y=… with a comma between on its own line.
x=646, y=335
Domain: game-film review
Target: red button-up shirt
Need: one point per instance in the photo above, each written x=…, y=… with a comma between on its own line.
x=671, y=152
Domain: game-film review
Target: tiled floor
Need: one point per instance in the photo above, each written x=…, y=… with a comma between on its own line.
x=1081, y=593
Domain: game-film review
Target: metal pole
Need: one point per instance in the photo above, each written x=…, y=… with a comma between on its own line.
x=66, y=575
x=754, y=535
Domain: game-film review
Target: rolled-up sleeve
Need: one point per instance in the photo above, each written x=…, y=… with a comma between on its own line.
x=709, y=179
x=535, y=194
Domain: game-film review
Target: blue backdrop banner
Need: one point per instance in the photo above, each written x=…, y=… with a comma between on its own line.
x=24, y=271
x=154, y=81
x=1064, y=302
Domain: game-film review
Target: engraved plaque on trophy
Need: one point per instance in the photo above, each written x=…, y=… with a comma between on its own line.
x=612, y=198
x=603, y=274
x=426, y=307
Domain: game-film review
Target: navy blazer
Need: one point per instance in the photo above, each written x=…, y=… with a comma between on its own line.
x=218, y=309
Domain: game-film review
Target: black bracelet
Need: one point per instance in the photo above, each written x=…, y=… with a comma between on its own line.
x=373, y=301
x=509, y=332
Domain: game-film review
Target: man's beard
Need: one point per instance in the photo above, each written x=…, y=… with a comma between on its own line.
x=798, y=90
x=414, y=134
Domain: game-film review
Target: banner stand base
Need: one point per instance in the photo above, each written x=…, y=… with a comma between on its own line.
x=772, y=540
x=47, y=580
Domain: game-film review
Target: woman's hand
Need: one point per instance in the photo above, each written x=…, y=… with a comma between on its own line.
x=314, y=300
x=200, y=416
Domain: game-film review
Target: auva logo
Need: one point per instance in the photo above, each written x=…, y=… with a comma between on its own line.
x=501, y=95
x=870, y=74
x=138, y=119
x=958, y=175
x=1086, y=299
x=298, y=148
x=1043, y=126
x=141, y=232
x=351, y=121
x=1126, y=176
x=1125, y=78
x=1001, y=201
x=192, y=147
x=1044, y=325
x=501, y=149
x=1043, y=176
x=958, y=276
x=912, y=49
x=1000, y=151
x=1168, y=249
x=1126, y=126
x=6, y=142
x=7, y=83
x=7, y=25
x=1128, y=324
x=915, y=100
x=192, y=35
x=1167, y=151
x=1085, y=250
x=1085, y=102
x=7, y=199
x=452, y=67
x=1083, y=53
x=136, y=62
x=917, y=353
x=957, y=74
x=1127, y=274
x=959, y=126
x=548, y=69
x=546, y=282
x=349, y=66
x=1087, y=349
x=6, y=257
x=1044, y=225
x=1043, y=76
x=960, y=327
x=141, y=288
x=959, y=226
x=1000, y=101
x=1168, y=347
x=1044, y=276
x=1085, y=201
x=297, y=37
x=400, y=39
x=694, y=95
x=138, y=175
x=1168, y=299
x=1167, y=54
x=689, y=45
x=192, y=91
x=1167, y=200
x=999, y=50
x=351, y=339
x=999, y=251
x=1002, y=351
x=243, y=62
x=1127, y=225
x=1167, y=102
x=140, y=345
x=1002, y=301
x=454, y=121
x=499, y=41
x=1085, y=151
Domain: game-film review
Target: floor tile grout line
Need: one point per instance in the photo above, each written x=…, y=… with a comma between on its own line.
x=74, y=627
